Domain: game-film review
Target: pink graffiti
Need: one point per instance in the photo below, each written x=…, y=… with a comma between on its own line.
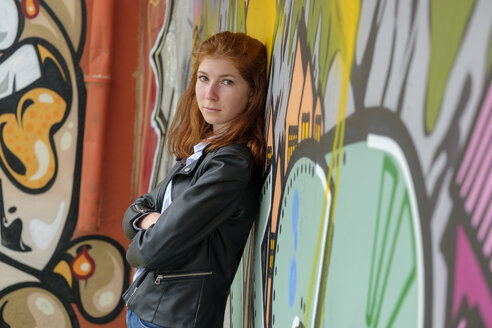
x=487, y=246
x=475, y=176
x=483, y=194
x=462, y=323
x=484, y=226
x=474, y=157
x=469, y=281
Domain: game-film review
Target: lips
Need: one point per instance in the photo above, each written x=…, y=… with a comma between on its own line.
x=35, y=95
x=211, y=109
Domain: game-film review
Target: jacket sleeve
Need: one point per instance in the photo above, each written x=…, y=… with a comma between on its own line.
x=196, y=212
x=141, y=206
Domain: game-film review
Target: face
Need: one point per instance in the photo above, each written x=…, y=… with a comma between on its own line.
x=221, y=92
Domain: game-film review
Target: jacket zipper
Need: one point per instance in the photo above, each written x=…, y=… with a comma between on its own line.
x=131, y=296
x=181, y=275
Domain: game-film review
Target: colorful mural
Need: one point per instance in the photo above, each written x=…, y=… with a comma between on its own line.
x=376, y=207
x=49, y=278
x=154, y=16
x=164, y=78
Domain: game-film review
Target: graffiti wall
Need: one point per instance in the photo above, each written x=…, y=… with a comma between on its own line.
x=50, y=276
x=377, y=202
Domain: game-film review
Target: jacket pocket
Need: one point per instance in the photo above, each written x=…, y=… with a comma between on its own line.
x=129, y=294
x=181, y=294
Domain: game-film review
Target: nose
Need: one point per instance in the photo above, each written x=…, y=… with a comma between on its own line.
x=211, y=92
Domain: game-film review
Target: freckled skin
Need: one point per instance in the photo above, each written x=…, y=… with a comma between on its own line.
x=221, y=92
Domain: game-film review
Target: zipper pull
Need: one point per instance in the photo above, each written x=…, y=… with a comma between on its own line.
x=158, y=279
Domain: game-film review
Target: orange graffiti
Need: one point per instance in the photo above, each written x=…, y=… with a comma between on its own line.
x=83, y=265
x=30, y=8
x=27, y=137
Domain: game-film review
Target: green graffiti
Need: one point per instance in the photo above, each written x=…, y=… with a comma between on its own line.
x=448, y=24
x=210, y=19
x=389, y=172
x=298, y=246
x=385, y=262
x=237, y=22
x=297, y=11
x=322, y=24
x=373, y=259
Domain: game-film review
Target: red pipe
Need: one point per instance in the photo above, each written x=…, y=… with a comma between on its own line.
x=98, y=80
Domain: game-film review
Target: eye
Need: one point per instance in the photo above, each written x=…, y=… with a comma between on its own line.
x=202, y=78
x=228, y=82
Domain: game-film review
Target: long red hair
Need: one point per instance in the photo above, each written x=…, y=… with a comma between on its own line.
x=188, y=127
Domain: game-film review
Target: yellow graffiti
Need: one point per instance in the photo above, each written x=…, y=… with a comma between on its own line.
x=261, y=22
x=26, y=136
x=63, y=269
x=344, y=16
x=45, y=54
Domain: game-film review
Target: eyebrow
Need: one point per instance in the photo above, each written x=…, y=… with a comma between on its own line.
x=221, y=76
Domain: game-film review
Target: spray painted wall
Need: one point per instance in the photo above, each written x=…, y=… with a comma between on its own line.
x=51, y=274
x=377, y=203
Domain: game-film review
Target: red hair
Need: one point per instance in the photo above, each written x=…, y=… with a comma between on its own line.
x=189, y=127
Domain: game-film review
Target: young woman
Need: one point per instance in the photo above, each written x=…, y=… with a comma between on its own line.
x=188, y=234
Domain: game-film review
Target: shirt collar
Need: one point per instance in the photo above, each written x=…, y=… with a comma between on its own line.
x=200, y=147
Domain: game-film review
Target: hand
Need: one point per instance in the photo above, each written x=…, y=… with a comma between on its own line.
x=148, y=220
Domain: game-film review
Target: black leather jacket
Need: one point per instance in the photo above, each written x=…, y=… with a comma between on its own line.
x=192, y=253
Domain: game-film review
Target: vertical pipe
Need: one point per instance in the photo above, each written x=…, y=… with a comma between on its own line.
x=97, y=79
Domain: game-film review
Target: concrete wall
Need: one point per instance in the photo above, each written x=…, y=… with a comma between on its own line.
x=376, y=207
